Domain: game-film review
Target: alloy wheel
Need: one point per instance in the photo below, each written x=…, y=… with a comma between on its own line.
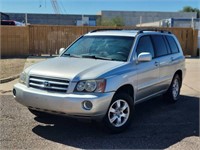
x=119, y=113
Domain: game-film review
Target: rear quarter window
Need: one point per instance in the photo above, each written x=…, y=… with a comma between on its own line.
x=172, y=44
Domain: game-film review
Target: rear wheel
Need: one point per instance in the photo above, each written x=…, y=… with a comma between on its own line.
x=173, y=92
x=120, y=113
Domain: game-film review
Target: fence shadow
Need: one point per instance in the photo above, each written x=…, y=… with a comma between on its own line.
x=156, y=125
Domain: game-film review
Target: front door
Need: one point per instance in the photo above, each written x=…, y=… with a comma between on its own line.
x=148, y=72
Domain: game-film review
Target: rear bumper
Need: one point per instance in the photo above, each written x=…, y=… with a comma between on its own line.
x=65, y=104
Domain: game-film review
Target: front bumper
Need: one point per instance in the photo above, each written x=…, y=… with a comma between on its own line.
x=65, y=104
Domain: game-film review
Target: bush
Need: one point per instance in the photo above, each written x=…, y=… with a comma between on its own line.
x=116, y=22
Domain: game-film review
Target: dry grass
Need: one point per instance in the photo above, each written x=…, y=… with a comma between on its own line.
x=11, y=66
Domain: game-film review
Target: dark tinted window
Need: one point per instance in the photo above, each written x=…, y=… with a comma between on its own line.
x=160, y=46
x=172, y=44
x=167, y=45
x=145, y=45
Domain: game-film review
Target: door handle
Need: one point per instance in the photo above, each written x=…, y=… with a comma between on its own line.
x=172, y=58
x=156, y=63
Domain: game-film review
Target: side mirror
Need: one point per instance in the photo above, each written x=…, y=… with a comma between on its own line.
x=144, y=56
x=61, y=51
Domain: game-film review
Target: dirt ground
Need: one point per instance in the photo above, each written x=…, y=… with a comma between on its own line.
x=11, y=66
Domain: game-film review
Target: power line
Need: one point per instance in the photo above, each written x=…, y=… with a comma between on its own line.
x=63, y=7
x=55, y=6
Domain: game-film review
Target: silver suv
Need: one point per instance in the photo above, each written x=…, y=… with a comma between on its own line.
x=103, y=74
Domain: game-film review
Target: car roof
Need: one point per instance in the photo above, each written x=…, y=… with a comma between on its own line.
x=129, y=33
x=117, y=32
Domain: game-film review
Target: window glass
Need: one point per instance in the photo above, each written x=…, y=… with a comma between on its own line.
x=145, y=45
x=167, y=45
x=107, y=47
x=160, y=46
x=172, y=44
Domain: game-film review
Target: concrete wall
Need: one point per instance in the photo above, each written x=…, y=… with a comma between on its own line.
x=184, y=23
x=131, y=18
x=50, y=19
x=150, y=24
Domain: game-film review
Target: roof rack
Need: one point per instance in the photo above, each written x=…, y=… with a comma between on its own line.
x=139, y=30
x=103, y=30
x=156, y=30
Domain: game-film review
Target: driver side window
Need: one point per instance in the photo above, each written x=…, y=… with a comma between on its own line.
x=145, y=45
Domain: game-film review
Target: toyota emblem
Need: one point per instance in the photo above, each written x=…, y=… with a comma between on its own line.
x=46, y=84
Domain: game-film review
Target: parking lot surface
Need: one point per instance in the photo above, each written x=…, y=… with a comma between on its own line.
x=156, y=125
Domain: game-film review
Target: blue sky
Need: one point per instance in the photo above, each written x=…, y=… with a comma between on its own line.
x=94, y=6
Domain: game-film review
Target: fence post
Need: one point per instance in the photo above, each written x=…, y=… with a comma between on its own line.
x=195, y=42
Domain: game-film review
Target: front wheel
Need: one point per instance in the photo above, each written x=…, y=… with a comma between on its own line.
x=120, y=113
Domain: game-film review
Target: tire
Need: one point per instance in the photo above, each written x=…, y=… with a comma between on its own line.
x=120, y=113
x=173, y=92
x=39, y=113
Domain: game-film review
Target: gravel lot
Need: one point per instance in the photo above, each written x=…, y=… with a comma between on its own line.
x=11, y=66
x=157, y=125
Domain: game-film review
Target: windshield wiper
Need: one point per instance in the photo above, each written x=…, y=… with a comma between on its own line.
x=96, y=57
x=71, y=55
x=92, y=56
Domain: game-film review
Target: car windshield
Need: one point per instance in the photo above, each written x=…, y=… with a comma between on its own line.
x=101, y=47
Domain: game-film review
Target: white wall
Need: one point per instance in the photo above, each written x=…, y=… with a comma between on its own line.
x=151, y=24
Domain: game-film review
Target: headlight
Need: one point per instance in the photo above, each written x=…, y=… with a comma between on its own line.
x=91, y=86
x=80, y=86
x=22, y=78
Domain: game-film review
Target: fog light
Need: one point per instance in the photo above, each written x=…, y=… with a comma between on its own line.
x=87, y=105
x=14, y=92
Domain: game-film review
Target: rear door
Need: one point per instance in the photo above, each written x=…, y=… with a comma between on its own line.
x=165, y=61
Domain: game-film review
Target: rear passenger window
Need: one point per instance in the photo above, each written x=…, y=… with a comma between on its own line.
x=172, y=44
x=160, y=46
x=145, y=45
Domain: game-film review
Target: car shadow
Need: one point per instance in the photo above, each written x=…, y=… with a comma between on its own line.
x=157, y=124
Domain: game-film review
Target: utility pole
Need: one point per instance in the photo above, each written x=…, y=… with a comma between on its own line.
x=192, y=22
x=26, y=19
x=140, y=21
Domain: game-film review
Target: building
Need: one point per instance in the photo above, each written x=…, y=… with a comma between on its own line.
x=132, y=18
x=4, y=16
x=174, y=22
x=54, y=19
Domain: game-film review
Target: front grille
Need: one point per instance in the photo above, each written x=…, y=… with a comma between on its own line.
x=49, y=84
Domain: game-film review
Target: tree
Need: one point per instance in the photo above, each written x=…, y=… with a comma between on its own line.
x=116, y=21
x=190, y=9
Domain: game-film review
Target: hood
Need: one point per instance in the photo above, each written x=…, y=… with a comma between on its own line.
x=73, y=68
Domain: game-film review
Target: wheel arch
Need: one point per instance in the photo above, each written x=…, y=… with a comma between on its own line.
x=127, y=88
x=180, y=74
